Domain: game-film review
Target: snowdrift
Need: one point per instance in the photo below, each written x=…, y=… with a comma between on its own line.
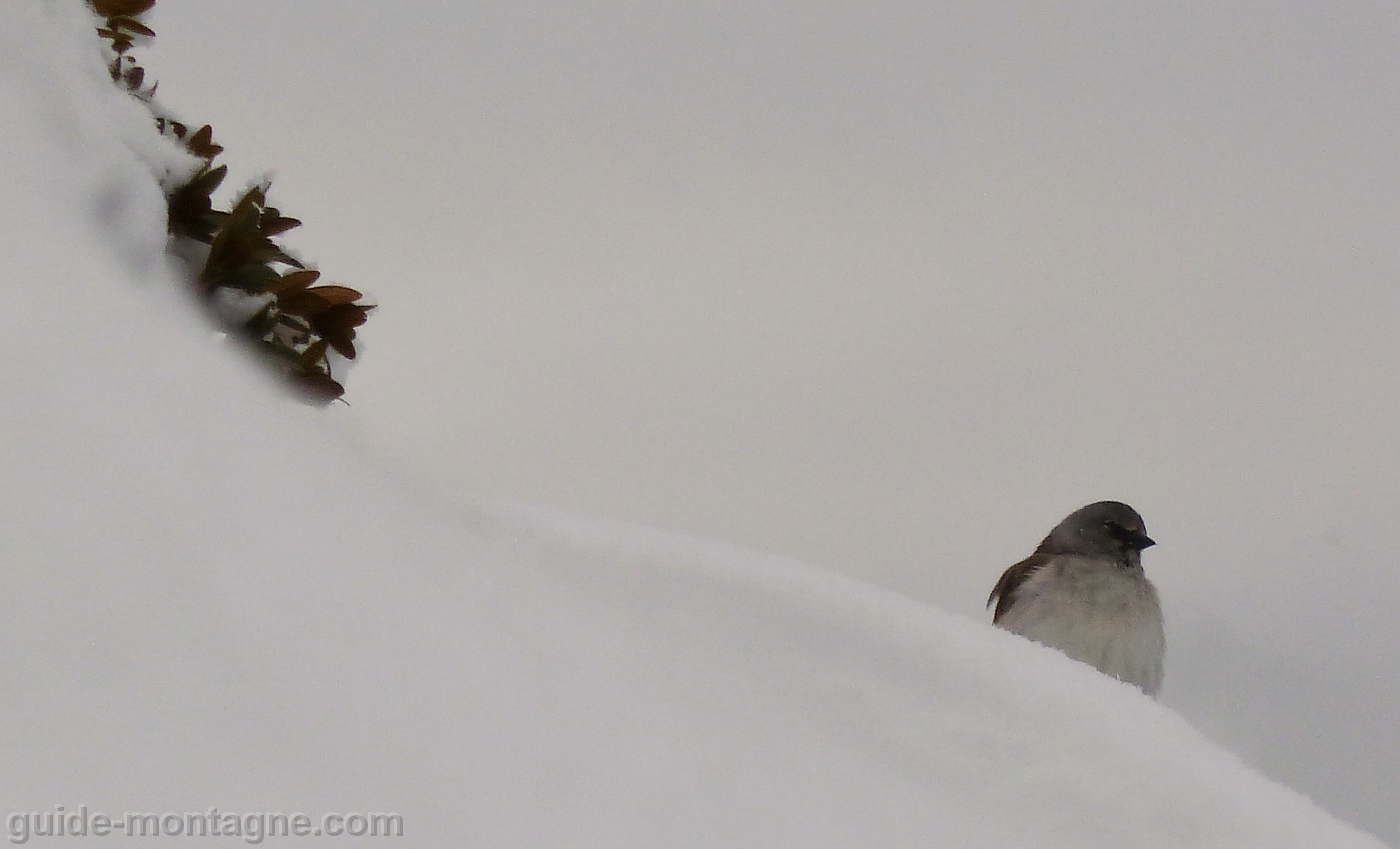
x=213, y=602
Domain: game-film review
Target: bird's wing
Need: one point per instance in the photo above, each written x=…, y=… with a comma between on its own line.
x=1004, y=593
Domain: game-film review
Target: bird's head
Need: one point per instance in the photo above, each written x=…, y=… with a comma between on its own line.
x=1102, y=529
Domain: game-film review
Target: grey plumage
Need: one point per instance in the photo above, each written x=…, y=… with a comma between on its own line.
x=1085, y=593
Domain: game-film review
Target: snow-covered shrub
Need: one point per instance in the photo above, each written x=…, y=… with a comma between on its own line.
x=254, y=289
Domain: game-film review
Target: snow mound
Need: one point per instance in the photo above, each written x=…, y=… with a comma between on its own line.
x=213, y=601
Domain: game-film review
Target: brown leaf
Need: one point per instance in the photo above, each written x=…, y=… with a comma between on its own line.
x=276, y=254
x=337, y=294
x=337, y=325
x=344, y=344
x=274, y=224
x=235, y=242
x=125, y=8
x=190, y=210
x=130, y=25
x=294, y=281
x=315, y=387
x=347, y=316
x=121, y=42
x=303, y=303
x=201, y=144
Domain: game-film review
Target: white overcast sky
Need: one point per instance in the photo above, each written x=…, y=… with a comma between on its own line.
x=890, y=287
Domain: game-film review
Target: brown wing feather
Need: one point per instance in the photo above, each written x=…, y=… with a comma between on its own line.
x=1004, y=593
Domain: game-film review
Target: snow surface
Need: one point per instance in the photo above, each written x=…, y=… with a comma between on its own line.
x=214, y=600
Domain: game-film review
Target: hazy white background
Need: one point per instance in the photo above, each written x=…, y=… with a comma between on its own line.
x=890, y=287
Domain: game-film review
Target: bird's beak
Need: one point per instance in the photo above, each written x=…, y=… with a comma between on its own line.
x=1129, y=538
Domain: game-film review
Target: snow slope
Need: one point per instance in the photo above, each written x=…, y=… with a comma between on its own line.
x=211, y=600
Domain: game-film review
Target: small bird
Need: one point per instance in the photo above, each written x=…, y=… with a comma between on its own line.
x=1084, y=592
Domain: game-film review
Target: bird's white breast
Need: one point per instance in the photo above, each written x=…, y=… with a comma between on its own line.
x=1097, y=612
